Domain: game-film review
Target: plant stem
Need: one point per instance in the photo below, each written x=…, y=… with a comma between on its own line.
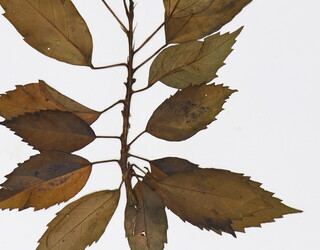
x=137, y=137
x=139, y=157
x=149, y=38
x=113, y=105
x=123, y=162
x=109, y=66
x=108, y=137
x=105, y=161
x=115, y=16
x=150, y=57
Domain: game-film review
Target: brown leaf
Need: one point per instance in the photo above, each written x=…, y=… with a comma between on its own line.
x=162, y=168
x=218, y=200
x=53, y=27
x=187, y=112
x=44, y=180
x=189, y=20
x=34, y=97
x=80, y=223
x=52, y=130
x=146, y=222
x=193, y=63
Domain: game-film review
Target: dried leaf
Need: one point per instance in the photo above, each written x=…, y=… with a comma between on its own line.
x=52, y=130
x=193, y=63
x=165, y=167
x=146, y=222
x=189, y=20
x=218, y=200
x=80, y=223
x=53, y=27
x=44, y=180
x=34, y=97
x=187, y=112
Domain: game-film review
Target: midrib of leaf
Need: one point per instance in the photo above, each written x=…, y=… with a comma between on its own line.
x=53, y=24
x=87, y=217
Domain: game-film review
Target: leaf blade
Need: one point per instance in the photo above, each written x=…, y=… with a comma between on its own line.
x=52, y=130
x=90, y=214
x=146, y=222
x=187, y=112
x=34, y=97
x=189, y=20
x=55, y=28
x=192, y=63
x=44, y=180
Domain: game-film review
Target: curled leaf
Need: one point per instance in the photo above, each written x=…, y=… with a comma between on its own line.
x=189, y=20
x=146, y=221
x=193, y=63
x=81, y=223
x=53, y=27
x=44, y=180
x=187, y=112
x=34, y=97
x=52, y=130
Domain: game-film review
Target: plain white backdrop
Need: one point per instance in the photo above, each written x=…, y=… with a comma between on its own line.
x=269, y=129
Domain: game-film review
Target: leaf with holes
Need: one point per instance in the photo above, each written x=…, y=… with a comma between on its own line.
x=44, y=180
x=53, y=27
x=34, y=97
x=189, y=20
x=187, y=112
x=52, y=130
x=193, y=63
x=81, y=223
x=146, y=221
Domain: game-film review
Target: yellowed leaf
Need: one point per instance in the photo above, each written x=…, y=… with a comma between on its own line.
x=34, y=97
x=187, y=112
x=80, y=223
x=192, y=63
x=189, y=20
x=53, y=27
x=146, y=221
x=44, y=180
x=52, y=130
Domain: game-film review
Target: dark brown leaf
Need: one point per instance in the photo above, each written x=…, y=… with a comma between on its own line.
x=193, y=63
x=44, y=180
x=81, y=223
x=189, y=20
x=34, y=97
x=218, y=200
x=187, y=112
x=52, y=130
x=146, y=221
x=53, y=27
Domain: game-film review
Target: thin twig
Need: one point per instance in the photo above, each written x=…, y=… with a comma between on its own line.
x=113, y=105
x=139, y=157
x=149, y=38
x=137, y=137
x=115, y=16
x=150, y=57
x=105, y=161
x=109, y=66
x=126, y=7
x=108, y=137
x=134, y=165
x=143, y=89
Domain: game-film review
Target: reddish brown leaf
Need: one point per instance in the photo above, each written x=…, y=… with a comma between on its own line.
x=189, y=20
x=34, y=97
x=52, y=130
x=187, y=112
x=81, y=223
x=44, y=180
x=219, y=200
x=53, y=27
x=146, y=221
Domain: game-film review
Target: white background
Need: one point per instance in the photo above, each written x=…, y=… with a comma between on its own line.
x=269, y=129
